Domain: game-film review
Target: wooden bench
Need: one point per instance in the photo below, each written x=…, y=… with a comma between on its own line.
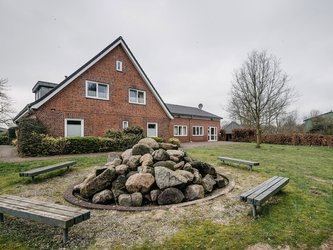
x=261, y=193
x=37, y=171
x=44, y=212
x=239, y=161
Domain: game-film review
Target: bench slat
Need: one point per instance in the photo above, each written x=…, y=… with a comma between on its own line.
x=37, y=171
x=251, y=197
x=244, y=195
x=249, y=163
x=40, y=207
x=270, y=192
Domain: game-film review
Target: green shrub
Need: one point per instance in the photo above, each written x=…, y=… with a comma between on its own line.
x=30, y=135
x=244, y=134
x=11, y=134
x=4, y=138
x=174, y=141
x=112, y=133
x=136, y=130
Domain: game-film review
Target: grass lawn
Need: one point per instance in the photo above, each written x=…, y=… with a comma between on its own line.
x=301, y=216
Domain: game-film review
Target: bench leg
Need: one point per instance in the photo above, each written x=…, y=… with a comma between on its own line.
x=1, y=217
x=65, y=233
x=254, y=210
x=32, y=178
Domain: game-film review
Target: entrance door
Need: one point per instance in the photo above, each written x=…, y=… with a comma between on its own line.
x=212, y=134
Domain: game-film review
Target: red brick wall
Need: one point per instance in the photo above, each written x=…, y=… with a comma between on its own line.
x=100, y=115
x=190, y=123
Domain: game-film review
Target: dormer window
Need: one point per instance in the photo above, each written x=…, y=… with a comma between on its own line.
x=97, y=90
x=119, y=66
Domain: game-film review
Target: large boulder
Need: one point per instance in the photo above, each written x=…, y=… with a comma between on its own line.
x=188, y=175
x=121, y=169
x=167, y=146
x=103, y=197
x=176, y=153
x=208, y=183
x=147, y=160
x=126, y=155
x=98, y=183
x=112, y=156
x=197, y=179
x=220, y=181
x=140, y=182
x=194, y=192
x=179, y=165
x=130, y=200
x=99, y=170
x=141, y=149
x=160, y=155
x=204, y=168
x=78, y=187
x=134, y=161
x=150, y=142
x=167, y=178
x=170, y=196
x=154, y=194
x=118, y=186
x=166, y=164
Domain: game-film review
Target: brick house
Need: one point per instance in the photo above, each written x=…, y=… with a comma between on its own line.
x=112, y=91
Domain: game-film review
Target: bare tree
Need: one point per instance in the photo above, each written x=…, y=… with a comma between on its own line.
x=259, y=92
x=5, y=103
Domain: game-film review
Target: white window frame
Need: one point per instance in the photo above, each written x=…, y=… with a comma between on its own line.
x=71, y=119
x=198, y=129
x=156, y=124
x=137, y=96
x=125, y=124
x=97, y=97
x=179, y=134
x=212, y=137
x=119, y=66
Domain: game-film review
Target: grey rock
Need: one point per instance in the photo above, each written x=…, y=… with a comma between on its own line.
x=150, y=142
x=126, y=155
x=194, y=192
x=115, y=162
x=147, y=160
x=118, y=186
x=174, y=158
x=188, y=167
x=179, y=165
x=134, y=161
x=176, y=153
x=208, y=183
x=141, y=149
x=170, y=196
x=197, y=177
x=204, y=168
x=131, y=173
x=166, y=164
x=103, y=197
x=112, y=156
x=154, y=194
x=167, y=178
x=145, y=170
x=168, y=146
x=188, y=159
x=220, y=181
x=125, y=200
x=121, y=169
x=160, y=155
x=98, y=183
x=78, y=187
x=188, y=175
x=136, y=199
x=140, y=183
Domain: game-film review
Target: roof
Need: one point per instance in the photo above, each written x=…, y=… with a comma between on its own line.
x=229, y=127
x=119, y=41
x=330, y=112
x=179, y=110
x=43, y=84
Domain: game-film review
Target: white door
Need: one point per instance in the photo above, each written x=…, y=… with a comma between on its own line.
x=152, y=130
x=212, y=134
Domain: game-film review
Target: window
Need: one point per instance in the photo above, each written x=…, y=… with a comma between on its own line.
x=152, y=130
x=74, y=127
x=119, y=66
x=97, y=90
x=180, y=130
x=137, y=96
x=197, y=130
x=125, y=124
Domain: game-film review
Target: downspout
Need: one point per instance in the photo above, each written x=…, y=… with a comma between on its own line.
x=189, y=129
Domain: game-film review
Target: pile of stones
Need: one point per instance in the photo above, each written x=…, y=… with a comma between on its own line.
x=150, y=173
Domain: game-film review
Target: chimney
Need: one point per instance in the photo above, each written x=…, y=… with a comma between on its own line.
x=200, y=106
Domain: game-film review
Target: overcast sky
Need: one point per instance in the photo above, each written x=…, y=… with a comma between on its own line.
x=188, y=49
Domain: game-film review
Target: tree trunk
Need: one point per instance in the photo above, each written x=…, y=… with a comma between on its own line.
x=258, y=133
